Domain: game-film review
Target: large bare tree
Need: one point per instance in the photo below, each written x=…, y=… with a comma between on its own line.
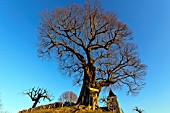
x=93, y=47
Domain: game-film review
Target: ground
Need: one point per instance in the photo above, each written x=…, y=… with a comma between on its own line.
x=73, y=109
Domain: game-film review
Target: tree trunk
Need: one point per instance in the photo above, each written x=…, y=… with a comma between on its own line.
x=89, y=94
x=35, y=103
x=84, y=97
x=88, y=98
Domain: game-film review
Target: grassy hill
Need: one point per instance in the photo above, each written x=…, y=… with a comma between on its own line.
x=65, y=110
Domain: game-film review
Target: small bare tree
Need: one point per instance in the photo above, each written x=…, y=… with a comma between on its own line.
x=0, y=105
x=138, y=110
x=68, y=96
x=104, y=100
x=36, y=94
x=1, y=108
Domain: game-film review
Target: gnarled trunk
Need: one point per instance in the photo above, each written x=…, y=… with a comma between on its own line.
x=89, y=96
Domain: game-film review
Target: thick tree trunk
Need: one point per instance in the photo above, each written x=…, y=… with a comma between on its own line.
x=88, y=98
x=89, y=94
x=84, y=97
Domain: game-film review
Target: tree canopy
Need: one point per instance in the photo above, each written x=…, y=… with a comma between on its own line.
x=68, y=96
x=93, y=46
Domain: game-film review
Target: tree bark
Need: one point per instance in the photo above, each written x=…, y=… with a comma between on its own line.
x=88, y=98
x=84, y=97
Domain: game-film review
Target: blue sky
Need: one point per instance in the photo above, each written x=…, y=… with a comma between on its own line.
x=21, y=69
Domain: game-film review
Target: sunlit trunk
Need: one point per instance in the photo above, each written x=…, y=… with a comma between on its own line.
x=88, y=96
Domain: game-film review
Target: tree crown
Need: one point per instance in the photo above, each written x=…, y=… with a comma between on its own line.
x=89, y=39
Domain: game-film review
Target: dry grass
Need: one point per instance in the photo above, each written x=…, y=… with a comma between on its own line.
x=53, y=111
x=63, y=110
x=70, y=109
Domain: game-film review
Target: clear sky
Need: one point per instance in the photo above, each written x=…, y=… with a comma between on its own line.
x=21, y=69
